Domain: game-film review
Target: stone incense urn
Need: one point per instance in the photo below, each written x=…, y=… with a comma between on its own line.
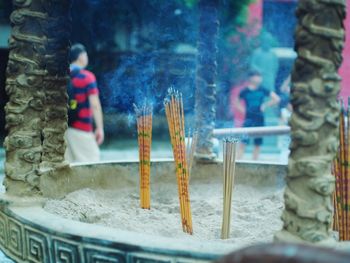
x=28, y=233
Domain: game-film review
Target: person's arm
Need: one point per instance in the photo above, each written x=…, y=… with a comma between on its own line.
x=274, y=100
x=98, y=117
x=237, y=101
x=238, y=104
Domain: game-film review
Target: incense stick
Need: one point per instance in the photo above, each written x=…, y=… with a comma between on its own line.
x=341, y=172
x=229, y=164
x=144, y=131
x=174, y=111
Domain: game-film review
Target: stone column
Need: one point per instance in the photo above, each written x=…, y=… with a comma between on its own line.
x=314, y=123
x=55, y=82
x=206, y=77
x=37, y=62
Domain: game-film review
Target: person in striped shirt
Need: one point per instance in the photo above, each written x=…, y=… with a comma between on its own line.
x=85, y=120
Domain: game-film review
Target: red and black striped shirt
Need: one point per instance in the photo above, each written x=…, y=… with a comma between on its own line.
x=84, y=84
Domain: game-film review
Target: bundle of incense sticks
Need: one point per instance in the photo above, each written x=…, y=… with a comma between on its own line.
x=190, y=149
x=229, y=163
x=144, y=132
x=176, y=122
x=341, y=171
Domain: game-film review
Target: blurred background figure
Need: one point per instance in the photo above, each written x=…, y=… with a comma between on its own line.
x=254, y=96
x=265, y=61
x=84, y=107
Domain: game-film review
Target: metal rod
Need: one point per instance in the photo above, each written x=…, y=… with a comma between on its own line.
x=253, y=131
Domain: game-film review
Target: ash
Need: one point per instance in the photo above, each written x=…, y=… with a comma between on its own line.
x=255, y=214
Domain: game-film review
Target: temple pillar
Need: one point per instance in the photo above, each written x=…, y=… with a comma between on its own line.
x=37, y=74
x=314, y=123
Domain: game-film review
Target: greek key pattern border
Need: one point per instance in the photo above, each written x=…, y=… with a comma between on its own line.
x=26, y=243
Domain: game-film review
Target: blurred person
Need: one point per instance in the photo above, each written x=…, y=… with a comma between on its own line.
x=254, y=96
x=265, y=61
x=84, y=110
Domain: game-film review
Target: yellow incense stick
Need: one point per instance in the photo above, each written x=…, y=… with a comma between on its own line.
x=144, y=128
x=341, y=173
x=176, y=122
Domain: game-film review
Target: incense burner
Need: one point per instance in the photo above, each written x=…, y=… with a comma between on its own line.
x=30, y=234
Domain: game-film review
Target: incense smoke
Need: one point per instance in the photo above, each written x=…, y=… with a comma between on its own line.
x=160, y=50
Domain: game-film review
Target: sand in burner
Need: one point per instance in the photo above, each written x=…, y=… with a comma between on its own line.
x=255, y=211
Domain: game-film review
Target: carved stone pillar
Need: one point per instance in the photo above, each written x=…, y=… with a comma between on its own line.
x=37, y=65
x=314, y=123
x=55, y=82
x=206, y=77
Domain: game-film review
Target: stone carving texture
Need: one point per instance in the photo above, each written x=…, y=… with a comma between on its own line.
x=29, y=242
x=142, y=258
x=65, y=251
x=37, y=246
x=36, y=112
x=3, y=228
x=93, y=255
x=206, y=77
x=15, y=238
x=308, y=195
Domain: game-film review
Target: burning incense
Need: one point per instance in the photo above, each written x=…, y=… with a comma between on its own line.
x=176, y=122
x=229, y=163
x=341, y=172
x=144, y=132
